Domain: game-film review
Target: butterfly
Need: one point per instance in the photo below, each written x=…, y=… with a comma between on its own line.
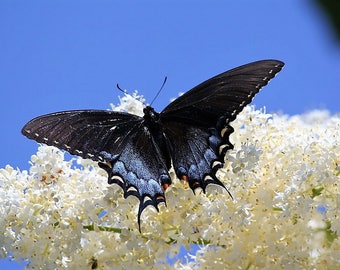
x=191, y=134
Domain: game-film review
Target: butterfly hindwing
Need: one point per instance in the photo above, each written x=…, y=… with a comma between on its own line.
x=193, y=152
x=140, y=169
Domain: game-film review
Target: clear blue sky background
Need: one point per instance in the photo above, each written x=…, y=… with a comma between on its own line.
x=61, y=55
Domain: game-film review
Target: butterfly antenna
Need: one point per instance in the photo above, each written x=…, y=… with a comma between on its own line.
x=126, y=92
x=159, y=90
x=120, y=89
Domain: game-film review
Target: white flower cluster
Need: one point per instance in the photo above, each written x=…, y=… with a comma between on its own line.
x=283, y=174
x=130, y=103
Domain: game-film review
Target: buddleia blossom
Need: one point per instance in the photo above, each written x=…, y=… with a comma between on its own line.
x=130, y=103
x=283, y=174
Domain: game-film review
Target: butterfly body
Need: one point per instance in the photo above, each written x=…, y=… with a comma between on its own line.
x=191, y=134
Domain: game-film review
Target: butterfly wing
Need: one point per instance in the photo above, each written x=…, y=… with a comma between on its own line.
x=121, y=143
x=197, y=123
x=194, y=152
x=223, y=95
x=140, y=170
x=93, y=134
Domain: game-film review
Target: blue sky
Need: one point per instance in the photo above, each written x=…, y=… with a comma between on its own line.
x=61, y=55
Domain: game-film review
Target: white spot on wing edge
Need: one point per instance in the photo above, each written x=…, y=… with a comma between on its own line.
x=67, y=146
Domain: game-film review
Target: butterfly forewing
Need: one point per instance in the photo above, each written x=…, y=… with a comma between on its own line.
x=90, y=134
x=223, y=95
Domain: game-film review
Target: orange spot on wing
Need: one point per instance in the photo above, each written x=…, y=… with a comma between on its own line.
x=164, y=187
x=196, y=185
x=185, y=178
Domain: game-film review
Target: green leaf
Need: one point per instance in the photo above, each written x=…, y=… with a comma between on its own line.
x=316, y=192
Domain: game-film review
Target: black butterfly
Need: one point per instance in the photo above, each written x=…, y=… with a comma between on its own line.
x=191, y=134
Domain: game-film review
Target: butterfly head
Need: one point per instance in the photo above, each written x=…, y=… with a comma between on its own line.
x=150, y=115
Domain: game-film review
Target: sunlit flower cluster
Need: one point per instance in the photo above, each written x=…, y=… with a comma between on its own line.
x=283, y=174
